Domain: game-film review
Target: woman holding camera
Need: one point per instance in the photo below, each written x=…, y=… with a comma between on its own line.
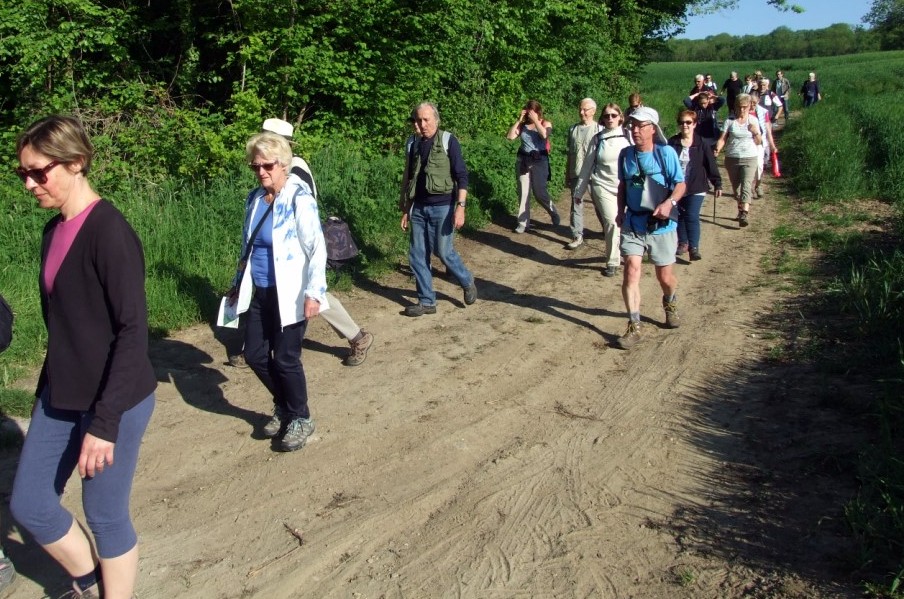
x=533, y=162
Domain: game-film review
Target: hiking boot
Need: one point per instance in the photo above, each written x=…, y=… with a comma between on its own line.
x=471, y=293
x=577, y=242
x=631, y=336
x=521, y=228
x=297, y=433
x=610, y=271
x=682, y=249
x=274, y=425
x=695, y=254
x=357, y=353
x=757, y=193
x=419, y=310
x=556, y=219
x=237, y=361
x=742, y=218
x=671, y=313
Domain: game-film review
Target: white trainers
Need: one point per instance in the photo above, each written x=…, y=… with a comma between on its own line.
x=521, y=228
x=576, y=243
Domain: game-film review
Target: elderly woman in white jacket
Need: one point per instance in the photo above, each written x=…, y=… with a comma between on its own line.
x=600, y=172
x=281, y=284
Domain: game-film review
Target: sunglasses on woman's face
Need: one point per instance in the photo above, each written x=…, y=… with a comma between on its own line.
x=267, y=166
x=38, y=175
x=685, y=122
x=611, y=115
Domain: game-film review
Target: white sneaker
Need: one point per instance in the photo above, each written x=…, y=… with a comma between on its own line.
x=576, y=243
x=521, y=228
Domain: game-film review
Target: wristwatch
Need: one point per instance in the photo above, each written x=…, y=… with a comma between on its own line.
x=462, y=204
x=674, y=203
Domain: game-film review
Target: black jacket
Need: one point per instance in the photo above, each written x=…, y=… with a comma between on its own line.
x=97, y=322
x=702, y=166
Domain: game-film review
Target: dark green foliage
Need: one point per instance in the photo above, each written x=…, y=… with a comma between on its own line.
x=887, y=20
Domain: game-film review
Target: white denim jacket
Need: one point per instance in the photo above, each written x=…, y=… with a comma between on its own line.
x=299, y=250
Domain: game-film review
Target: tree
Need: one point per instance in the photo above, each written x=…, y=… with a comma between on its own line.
x=887, y=19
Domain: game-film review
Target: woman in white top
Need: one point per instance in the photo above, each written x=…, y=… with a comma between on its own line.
x=740, y=138
x=600, y=172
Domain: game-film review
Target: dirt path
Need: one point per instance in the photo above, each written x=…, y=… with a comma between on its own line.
x=503, y=449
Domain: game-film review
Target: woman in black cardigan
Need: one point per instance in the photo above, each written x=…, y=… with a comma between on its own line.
x=95, y=394
x=696, y=157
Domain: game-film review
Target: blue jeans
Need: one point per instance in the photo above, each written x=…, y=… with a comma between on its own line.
x=689, y=219
x=432, y=232
x=49, y=456
x=274, y=353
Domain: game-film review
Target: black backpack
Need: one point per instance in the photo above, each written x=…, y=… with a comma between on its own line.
x=6, y=324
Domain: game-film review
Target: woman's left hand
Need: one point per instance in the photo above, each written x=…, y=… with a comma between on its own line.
x=96, y=454
x=311, y=308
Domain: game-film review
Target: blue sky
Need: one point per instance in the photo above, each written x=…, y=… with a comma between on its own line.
x=755, y=17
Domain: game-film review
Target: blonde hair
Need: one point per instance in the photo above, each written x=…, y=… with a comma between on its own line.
x=61, y=138
x=616, y=108
x=269, y=145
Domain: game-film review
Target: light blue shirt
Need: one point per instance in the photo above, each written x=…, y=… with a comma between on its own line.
x=662, y=166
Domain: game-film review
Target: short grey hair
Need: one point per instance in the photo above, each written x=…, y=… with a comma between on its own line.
x=429, y=105
x=269, y=145
x=590, y=101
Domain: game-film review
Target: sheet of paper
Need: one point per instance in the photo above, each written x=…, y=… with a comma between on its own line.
x=227, y=316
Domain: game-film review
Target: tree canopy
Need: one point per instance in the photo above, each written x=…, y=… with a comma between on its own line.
x=177, y=84
x=887, y=19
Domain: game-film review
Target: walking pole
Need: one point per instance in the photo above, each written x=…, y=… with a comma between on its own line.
x=714, y=207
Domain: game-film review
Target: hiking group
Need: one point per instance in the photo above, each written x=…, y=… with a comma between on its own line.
x=95, y=395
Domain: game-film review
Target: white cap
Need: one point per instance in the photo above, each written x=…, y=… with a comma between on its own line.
x=279, y=126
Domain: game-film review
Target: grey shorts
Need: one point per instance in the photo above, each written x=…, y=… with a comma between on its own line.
x=661, y=247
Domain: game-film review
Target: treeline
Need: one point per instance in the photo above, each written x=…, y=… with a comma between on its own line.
x=782, y=43
x=174, y=87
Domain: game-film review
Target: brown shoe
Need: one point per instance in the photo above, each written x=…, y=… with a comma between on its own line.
x=631, y=336
x=672, y=320
x=357, y=353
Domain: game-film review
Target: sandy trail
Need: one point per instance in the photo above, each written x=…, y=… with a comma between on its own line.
x=498, y=450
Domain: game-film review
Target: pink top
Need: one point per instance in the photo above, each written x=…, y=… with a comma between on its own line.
x=63, y=235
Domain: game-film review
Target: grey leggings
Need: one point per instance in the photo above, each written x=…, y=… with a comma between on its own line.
x=49, y=456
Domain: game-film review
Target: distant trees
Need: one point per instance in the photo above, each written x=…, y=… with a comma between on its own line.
x=834, y=40
x=887, y=20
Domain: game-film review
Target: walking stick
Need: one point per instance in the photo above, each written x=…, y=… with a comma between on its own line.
x=714, y=207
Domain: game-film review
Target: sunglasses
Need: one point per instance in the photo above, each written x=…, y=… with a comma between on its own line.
x=611, y=115
x=685, y=122
x=267, y=166
x=38, y=175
